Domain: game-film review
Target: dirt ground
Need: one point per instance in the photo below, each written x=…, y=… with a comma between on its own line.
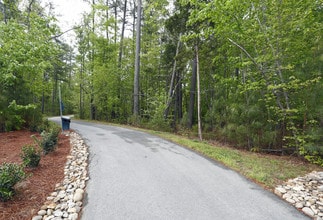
x=32, y=192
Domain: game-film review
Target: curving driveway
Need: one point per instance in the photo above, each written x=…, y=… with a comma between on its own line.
x=134, y=175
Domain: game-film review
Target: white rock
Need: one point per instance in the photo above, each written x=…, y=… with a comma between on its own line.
x=49, y=217
x=308, y=211
x=79, y=191
x=58, y=213
x=73, y=216
x=68, y=195
x=78, y=196
x=78, y=209
x=65, y=214
x=298, y=188
x=292, y=201
x=312, y=201
x=70, y=204
x=314, y=210
x=299, y=205
x=280, y=191
x=51, y=206
x=42, y=212
x=71, y=210
x=37, y=217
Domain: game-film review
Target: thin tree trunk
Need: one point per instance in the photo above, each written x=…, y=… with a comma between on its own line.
x=54, y=94
x=198, y=94
x=192, y=96
x=137, y=63
x=92, y=106
x=134, y=25
x=107, y=19
x=171, y=89
x=122, y=33
x=115, y=22
x=179, y=98
x=81, y=92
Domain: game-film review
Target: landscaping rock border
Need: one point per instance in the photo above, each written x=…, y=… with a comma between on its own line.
x=305, y=193
x=65, y=203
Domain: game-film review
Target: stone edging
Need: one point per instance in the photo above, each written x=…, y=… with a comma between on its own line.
x=305, y=193
x=66, y=200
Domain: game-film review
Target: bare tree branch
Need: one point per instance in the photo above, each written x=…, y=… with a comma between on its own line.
x=64, y=32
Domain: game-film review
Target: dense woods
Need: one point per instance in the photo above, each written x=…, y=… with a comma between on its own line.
x=246, y=72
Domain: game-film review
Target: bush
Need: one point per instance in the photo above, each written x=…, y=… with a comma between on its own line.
x=16, y=117
x=49, y=139
x=30, y=156
x=10, y=174
x=312, y=153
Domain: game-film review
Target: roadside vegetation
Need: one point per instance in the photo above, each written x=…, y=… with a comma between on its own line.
x=265, y=169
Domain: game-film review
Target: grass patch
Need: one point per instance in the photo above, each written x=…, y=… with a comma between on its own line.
x=267, y=170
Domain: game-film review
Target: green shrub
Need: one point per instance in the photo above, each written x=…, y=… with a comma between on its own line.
x=10, y=174
x=49, y=139
x=45, y=125
x=30, y=156
x=312, y=153
x=16, y=117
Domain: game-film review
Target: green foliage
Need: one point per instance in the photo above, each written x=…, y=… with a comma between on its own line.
x=313, y=154
x=10, y=174
x=260, y=71
x=264, y=86
x=48, y=139
x=30, y=156
x=16, y=117
x=33, y=118
x=13, y=118
x=157, y=120
x=266, y=169
x=31, y=62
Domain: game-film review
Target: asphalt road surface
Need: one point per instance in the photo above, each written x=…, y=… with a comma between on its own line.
x=134, y=175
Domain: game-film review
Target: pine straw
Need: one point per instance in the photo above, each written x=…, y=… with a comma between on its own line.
x=31, y=194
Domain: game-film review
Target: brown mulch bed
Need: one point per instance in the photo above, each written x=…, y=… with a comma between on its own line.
x=31, y=193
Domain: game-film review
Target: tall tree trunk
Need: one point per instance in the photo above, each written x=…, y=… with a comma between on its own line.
x=198, y=94
x=115, y=21
x=137, y=63
x=192, y=96
x=107, y=19
x=81, y=83
x=179, y=98
x=134, y=24
x=122, y=33
x=171, y=90
x=54, y=94
x=92, y=106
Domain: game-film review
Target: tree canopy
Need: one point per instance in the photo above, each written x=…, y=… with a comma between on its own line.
x=251, y=69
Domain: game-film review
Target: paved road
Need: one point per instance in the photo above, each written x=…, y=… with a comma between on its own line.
x=134, y=175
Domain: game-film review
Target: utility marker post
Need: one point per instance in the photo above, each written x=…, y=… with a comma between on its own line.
x=60, y=104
